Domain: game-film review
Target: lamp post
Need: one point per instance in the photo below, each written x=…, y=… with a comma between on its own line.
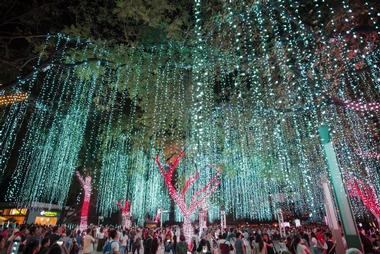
x=280, y=219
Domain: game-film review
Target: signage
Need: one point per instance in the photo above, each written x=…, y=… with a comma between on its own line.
x=15, y=211
x=49, y=213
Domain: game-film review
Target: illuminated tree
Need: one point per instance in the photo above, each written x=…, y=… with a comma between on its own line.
x=196, y=200
x=125, y=213
x=367, y=194
x=86, y=186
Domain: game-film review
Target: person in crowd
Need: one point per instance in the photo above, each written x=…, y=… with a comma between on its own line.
x=330, y=244
x=353, y=251
x=45, y=244
x=269, y=244
x=314, y=244
x=32, y=247
x=33, y=234
x=54, y=236
x=123, y=242
x=114, y=237
x=239, y=244
x=67, y=241
x=78, y=238
x=88, y=242
x=155, y=244
x=168, y=244
x=247, y=243
x=132, y=234
x=204, y=245
x=288, y=243
x=174, y=244
x=181, y=247
x=3, y=244
x=75, y=247
x=136, y=244
x=57, y=248
x=321, y=241
x=147, y=243
x=367, y=244
x=299, y=247
x=100, y=236
x=260, y=246
x=224, y=246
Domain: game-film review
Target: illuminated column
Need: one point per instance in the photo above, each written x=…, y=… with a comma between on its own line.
x=332, y=218
x=86, y=186
x=223, y=222
x=344, y=207
x=280, y=219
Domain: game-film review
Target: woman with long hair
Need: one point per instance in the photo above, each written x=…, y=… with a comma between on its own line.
x=260, y=245
x=299, y=247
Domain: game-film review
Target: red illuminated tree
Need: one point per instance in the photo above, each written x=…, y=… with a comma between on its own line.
x=357, y=105
x=179, y=197
x=367, y=194
x=86, y=185
x=125, y=213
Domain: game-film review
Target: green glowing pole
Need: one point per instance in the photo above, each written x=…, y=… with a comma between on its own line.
x=344, y=207
x=332, y=218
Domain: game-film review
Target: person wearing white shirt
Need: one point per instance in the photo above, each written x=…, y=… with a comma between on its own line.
x=88, y=242
x=123, y=242
x=115, y=247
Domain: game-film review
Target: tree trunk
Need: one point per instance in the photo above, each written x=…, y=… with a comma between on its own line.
x=187, y=230
x=84, y=210
x=172, y=203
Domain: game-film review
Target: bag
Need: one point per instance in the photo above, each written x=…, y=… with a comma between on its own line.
x=107, y=249
x=168, y=247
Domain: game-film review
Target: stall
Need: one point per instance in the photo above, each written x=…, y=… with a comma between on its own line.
x=38, y=213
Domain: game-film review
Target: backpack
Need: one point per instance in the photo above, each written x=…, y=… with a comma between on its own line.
x=107, y=249
x=225, y=248
x=168, y=247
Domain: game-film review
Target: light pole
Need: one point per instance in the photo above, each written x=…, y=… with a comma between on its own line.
x=162, y=211
x=223, y=222
x=280, y=219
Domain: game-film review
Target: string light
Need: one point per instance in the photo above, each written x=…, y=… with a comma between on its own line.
x=247, y=96
x=11, y=99
x=86, y=186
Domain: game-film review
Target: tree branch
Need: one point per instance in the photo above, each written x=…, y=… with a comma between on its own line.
x=12, y=37
x=10, y=20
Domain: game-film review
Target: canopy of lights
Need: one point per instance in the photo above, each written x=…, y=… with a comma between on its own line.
x=246, y=97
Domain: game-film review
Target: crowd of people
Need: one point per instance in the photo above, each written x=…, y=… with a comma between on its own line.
x=312, y=239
